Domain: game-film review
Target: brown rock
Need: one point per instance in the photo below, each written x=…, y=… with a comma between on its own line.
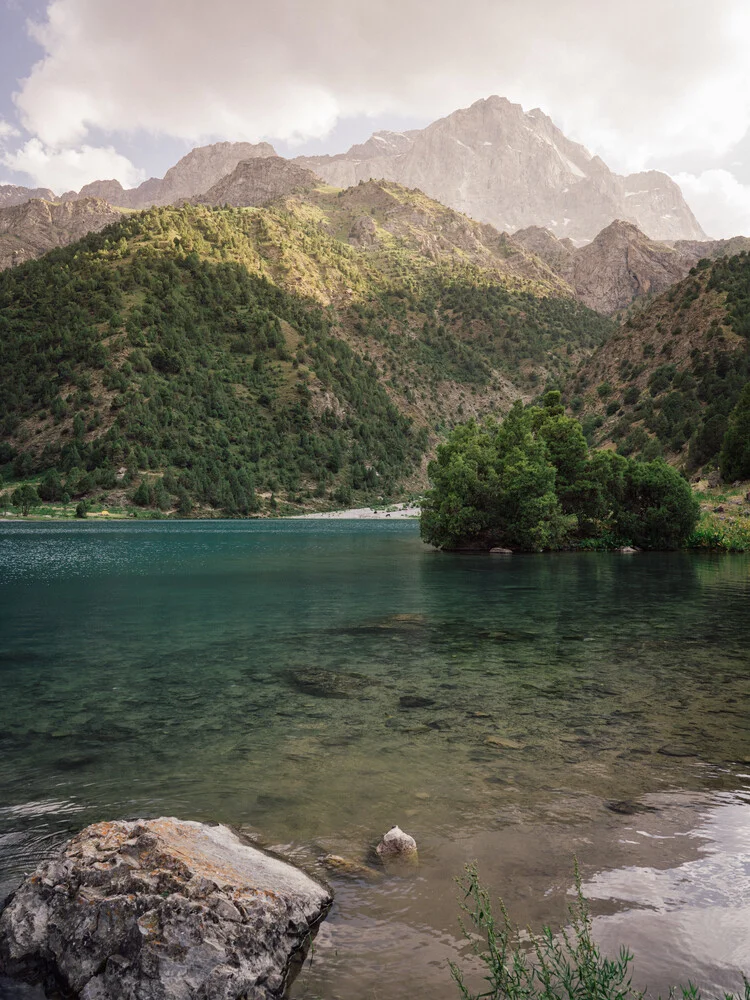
x=258, y=182
x=29, y=230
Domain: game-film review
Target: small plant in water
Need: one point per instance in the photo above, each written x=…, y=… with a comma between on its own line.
x=568, y=966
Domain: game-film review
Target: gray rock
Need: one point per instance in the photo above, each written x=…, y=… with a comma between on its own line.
x=628, y=549
x=160, y=910
x=396, y=843
x=499, y=551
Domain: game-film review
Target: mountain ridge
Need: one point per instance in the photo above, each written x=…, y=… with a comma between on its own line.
x=491, y=161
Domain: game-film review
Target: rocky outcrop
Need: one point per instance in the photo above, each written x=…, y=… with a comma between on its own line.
x=543, y=243
x=12, y=194
x=160, y=910
x=31, y=229
x=258, y=182
x=191, y=176
x=397, y=844
x=514, y=169
x=622, y=264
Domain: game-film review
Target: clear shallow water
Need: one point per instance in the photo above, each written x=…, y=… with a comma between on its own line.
x=318, y=681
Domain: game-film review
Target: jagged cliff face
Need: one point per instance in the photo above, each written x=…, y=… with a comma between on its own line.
x=259, y=181
x=29, y=230
x=515, y=169
x=621, y=264
x=12, y=194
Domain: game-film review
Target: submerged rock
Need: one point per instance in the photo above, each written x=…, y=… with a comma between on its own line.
x=415, y=701
x=397, y=844
x=347, y=868
x=502, y=743
x=160, y=909
x=500, y=551
x=322, y=683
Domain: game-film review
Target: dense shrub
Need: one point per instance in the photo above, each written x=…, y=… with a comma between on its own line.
x=532, y=484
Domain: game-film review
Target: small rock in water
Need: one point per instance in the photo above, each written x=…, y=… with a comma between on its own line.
x=397, y=844
x=502, y=743
x=499, y=551
x=348, y=868
x=415, y=701
x=628, y=549
x=629, y=807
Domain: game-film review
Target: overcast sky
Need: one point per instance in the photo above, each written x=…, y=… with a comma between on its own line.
x=122, y=88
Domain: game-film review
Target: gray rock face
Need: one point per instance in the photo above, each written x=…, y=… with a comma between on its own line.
x=513, y=169
x=13, y=194
x=195, y=173
x=160, y=910
x=31, y=229
x=621, y=263
x=258, y=182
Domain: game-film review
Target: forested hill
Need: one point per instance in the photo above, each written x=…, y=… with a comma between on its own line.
x=668, y=380
x=201, y=359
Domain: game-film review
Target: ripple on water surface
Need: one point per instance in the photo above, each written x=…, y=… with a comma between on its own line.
x=319, y=681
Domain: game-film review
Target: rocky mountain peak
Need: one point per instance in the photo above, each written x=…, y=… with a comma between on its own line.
x=259, y=181
x=514, y=169
x=543, y=243
x=621, y=264
x=13, y=194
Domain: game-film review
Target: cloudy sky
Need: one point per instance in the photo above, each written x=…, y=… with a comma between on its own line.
x=122, y=88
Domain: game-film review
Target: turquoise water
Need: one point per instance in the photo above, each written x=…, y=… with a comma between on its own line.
x=315, y=682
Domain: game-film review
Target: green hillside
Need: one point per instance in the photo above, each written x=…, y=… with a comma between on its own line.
x=222, y=360
x=668, y=380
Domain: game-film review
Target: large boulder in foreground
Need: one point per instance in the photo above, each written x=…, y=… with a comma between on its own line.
x=160, y=909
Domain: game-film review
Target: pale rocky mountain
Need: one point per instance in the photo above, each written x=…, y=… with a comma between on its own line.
x=258, y=182
x=12, y=194
x=514, y=169
x=31, y=229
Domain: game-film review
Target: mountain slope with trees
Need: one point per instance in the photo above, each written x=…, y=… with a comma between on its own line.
x=667, y=382
x=203, y=360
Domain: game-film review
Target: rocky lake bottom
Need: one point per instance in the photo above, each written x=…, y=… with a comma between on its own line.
x=314, y=682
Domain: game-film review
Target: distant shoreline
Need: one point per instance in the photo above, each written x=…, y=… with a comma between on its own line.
x=396, y=512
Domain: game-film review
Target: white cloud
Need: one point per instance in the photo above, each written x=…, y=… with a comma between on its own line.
x=7, y=131
x=69, y=169
x=665, y=82
x=719, y=200
x=661, y=79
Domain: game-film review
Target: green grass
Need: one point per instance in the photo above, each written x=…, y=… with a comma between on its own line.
x=721, y=536
x=545, y=966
